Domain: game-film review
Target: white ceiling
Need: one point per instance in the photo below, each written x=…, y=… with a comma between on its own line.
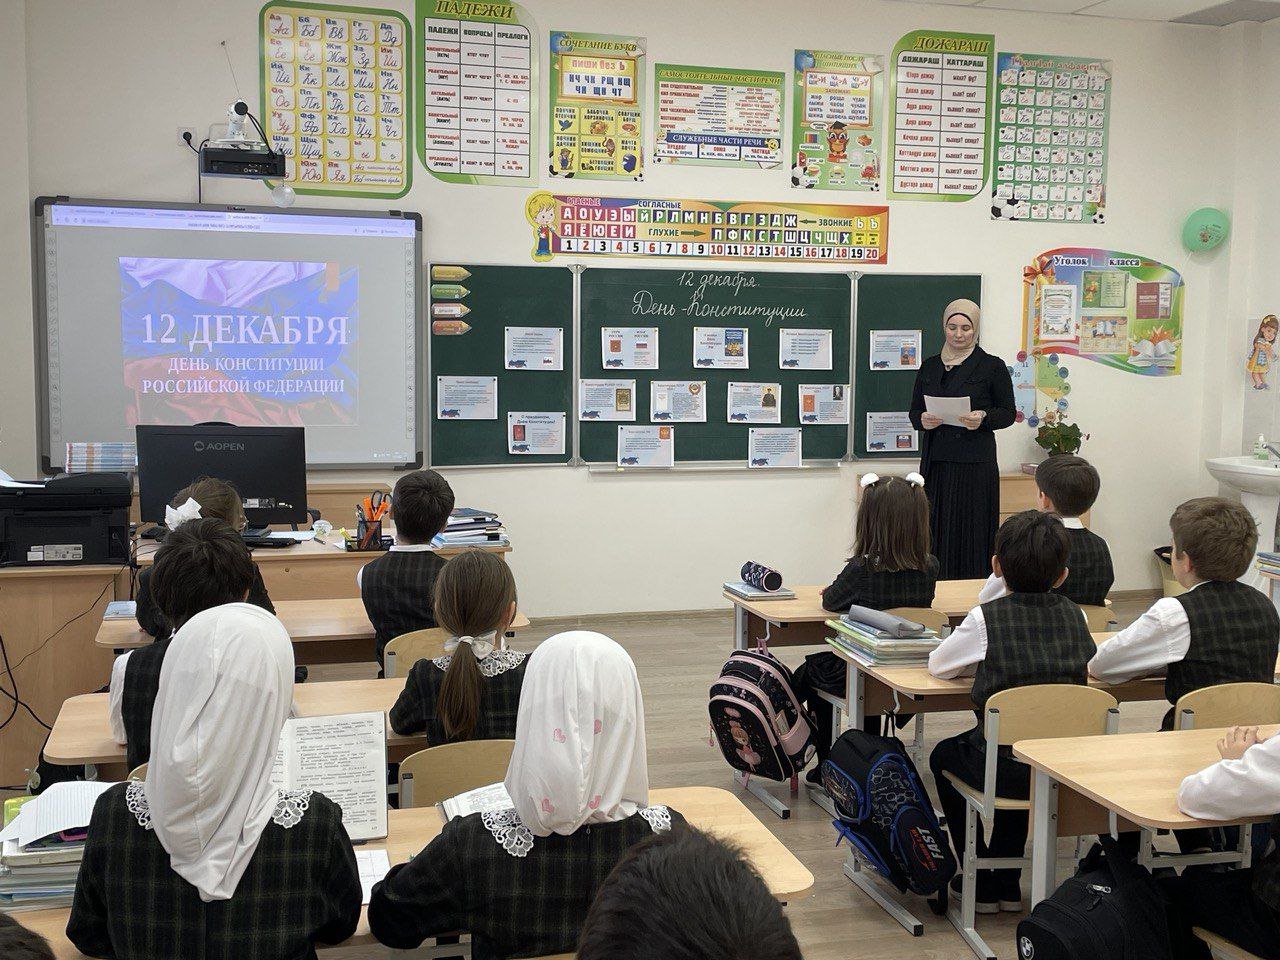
x=1216, y=12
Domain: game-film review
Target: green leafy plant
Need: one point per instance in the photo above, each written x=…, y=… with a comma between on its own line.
x=1057, y=435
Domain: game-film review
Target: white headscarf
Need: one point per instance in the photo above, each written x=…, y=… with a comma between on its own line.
x=580, y=754
x=225, y=691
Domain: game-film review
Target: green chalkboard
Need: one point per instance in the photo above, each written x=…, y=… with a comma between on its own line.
x=675, y=302
x=898, y=301
x=467, y=319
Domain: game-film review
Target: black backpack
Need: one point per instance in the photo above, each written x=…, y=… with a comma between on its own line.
x=883, y=810
x=761, y=726
x=1111, y=909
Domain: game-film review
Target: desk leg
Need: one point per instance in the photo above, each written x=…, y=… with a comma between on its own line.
x=1044, y=837
x=739, y=628
x=755, y=787
x=818, y=794
x=871, y=884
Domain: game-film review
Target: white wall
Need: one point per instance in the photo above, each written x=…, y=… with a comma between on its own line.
x=107, y=92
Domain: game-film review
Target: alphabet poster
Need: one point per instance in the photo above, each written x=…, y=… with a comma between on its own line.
x=335, y=97
x=596, y=106
x=477, y=115
x=940, y=95
x=1051, y=139
x=837, y=121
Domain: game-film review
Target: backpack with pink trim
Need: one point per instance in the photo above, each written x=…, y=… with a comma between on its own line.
x=758, y=720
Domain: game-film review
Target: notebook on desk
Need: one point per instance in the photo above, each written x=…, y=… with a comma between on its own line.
x=744, y=590
x=479, y=800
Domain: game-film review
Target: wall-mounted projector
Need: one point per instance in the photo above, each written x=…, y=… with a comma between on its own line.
x=239, y=153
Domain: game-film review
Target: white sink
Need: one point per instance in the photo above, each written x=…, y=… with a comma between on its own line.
x=1247, y=474
x=1258, y=482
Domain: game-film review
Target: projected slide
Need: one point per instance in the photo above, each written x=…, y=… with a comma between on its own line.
x=252, y=342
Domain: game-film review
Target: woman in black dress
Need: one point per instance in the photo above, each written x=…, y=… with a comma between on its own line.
x=961, y=476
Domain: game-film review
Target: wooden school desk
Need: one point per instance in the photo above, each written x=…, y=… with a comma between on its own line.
x=82, y=732
x=48, y=616
x=311, y=570
x=322, y=631
x=716, y=811
x=1077, y=781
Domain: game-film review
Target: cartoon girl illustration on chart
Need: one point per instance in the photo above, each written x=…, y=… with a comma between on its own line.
x=1263, y=352
x=540, y=211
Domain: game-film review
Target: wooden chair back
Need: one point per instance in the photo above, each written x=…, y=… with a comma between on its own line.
x=934, y=619
x=438, y=773
x=404, y=651
x=1229, y=705
x=1100, y=618
x=138, y=773
x=1051, y=710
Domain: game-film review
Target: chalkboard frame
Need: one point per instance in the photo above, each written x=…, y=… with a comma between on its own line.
x=857, y=412
x=716, y=465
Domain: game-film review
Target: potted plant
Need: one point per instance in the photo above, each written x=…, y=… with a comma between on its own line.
x=1057, y=435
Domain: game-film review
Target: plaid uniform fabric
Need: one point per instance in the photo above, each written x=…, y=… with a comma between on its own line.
x=513, y=906
x=1032, y=638
x=396, y=589
x=1266, y=875
x=862, y=584
x=301, y=887
x=157, y=624
x=138, y=699
x=1235, y=634
x=1089, y=571
x=415, y=709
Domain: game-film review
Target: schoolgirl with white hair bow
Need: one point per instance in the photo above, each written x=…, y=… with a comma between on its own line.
x=891, y=566
x=473, y=691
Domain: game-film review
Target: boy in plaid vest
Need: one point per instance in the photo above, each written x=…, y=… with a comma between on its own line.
x=397, y=587
x=1241, y=905
x=1068, y=486
x=1220, y=630
x=1031, y=636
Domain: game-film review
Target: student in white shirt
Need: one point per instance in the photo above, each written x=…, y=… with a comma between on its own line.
x=1068, y=486
x=1220, y=630
x=1242, y=905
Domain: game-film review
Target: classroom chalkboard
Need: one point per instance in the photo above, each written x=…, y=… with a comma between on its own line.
x=675, y=302
x=471, y=305
x=897, y=302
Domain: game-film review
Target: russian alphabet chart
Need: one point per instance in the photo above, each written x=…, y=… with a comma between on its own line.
x=1051, y=138
x=724, y=118
x=596, y=106
x=335, y=96
x=477, y=105
x=941, y=114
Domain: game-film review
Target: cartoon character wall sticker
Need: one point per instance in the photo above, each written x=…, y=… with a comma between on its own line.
x=1263, y=352
x=540, y=211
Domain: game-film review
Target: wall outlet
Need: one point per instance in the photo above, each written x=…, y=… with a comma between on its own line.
x=195, y=137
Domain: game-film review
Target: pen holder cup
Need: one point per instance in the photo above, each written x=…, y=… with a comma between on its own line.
x=368, y=536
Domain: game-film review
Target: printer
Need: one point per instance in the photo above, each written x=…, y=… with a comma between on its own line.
x=72, y=518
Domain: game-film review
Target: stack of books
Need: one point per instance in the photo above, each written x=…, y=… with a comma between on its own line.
x=42, y=844
x=1269, y=563
x=469, y=527
x=96, y=457
x=875, y=648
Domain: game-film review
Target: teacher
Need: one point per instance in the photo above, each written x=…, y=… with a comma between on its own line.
x=961, y=477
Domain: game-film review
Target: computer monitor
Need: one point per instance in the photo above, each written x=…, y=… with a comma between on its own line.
x=267, y=465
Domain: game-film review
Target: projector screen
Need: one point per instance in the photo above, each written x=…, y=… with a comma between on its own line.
x=179, y=314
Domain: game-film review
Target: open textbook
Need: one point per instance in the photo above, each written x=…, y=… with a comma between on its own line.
x=479, y=800
x=345, y=758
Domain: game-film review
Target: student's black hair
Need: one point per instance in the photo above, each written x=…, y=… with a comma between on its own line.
x=19, y=943
x=1070, y=482
x=684, y=895
x=420, y=505
x=202, y=564
x=1032, y=548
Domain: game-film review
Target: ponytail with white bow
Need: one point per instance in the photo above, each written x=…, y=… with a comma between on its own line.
x=174, y=517
x=891, y=531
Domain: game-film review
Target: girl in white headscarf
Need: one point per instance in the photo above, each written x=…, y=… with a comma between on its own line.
x=521, y=879
x=206, y=858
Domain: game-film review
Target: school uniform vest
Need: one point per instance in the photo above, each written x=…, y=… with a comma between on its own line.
x=1089, y=571
x=397, y=592
x=138, y=699
x=1032, y=638
x=1235, y=634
